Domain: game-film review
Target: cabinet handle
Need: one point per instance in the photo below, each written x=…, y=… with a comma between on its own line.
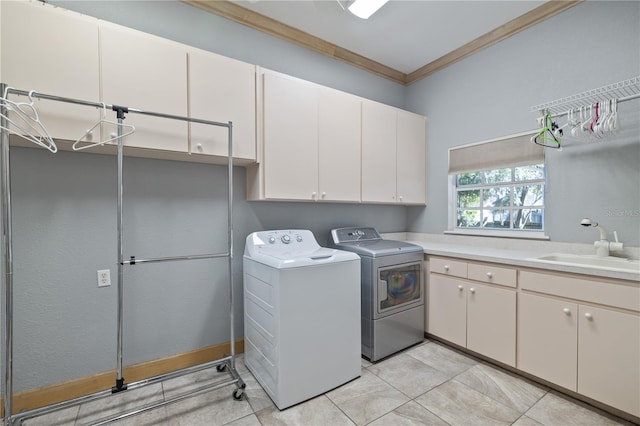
x=567, y=311
x=588, y=316
x=324, y=194
x=199, y=147
x=400, y=198
x=460, y=287
x=472, y=290
x=313, y=195
x=446, y=268
x=489, y=275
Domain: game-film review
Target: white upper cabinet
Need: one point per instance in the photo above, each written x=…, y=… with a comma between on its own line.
x=52, y=51
x=411, y=158
x=148, y=73
x=310, y=142
x=222, y=89
x=338, y=146
x=378, y=153
x=393, y=155
x=290, y=139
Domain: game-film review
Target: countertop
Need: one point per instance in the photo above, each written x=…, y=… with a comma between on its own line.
x=508, y=256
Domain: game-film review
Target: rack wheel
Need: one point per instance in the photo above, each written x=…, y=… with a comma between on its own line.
x=238, y=394
x=221, y=367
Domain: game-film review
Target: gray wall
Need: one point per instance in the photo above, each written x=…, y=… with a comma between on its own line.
x=490, y=94
x=65, y=229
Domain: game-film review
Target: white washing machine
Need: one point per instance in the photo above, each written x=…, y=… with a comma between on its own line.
x=301, y=315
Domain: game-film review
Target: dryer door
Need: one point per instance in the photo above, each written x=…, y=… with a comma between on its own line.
x=399, y=287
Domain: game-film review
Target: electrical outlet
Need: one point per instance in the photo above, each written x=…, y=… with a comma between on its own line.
x=104, y=277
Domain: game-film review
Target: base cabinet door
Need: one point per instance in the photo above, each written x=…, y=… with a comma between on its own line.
x=609, y=357
x=447, y=309
x=491, y=322
x=548, y=339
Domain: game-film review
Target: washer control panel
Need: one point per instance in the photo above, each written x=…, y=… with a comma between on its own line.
x=281, y=241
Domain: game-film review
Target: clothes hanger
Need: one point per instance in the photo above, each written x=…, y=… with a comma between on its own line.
x=25, y=122
x=77, y=145
x=549, y=135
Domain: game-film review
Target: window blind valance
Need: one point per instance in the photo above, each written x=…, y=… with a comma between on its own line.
x=510, y=151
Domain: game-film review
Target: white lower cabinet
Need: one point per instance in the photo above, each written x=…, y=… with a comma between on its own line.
x=480, y=317
x=592, y=350
x=578, y=332
x=547, y=339
x=609, y=357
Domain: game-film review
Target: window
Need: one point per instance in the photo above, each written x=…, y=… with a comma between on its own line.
x=497, y=187
x=507, y=198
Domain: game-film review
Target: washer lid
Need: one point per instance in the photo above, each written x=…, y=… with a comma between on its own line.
x=291, y=248
x=287, y=260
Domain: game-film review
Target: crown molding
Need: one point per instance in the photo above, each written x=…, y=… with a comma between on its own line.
x=275, y=28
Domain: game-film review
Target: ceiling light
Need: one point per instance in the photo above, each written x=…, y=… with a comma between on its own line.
x=365, y=8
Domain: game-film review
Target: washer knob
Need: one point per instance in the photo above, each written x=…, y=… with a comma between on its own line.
x=285, y=239
x=299, y=238
x=272, y=240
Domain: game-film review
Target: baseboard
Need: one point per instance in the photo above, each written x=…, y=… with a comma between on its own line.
x=76, y=388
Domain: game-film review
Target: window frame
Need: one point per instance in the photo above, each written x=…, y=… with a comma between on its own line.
x=490, y=231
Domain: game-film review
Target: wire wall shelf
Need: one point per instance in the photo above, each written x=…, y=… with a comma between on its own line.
x=622, y=91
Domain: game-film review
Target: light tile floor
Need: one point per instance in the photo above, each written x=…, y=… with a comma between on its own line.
x=428, y=384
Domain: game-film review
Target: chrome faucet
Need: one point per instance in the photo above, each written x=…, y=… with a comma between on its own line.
x=603, y=246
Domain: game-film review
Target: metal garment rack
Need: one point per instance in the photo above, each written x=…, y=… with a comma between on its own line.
x=120, y=385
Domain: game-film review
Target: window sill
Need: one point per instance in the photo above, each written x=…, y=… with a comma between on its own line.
x=523, y=235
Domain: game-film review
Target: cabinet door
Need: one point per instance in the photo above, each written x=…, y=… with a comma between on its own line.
x=609, y=357
x=446, y=309
x=52, y=51
x=339, y=130
x=491, y=322
x=378, y=153
x=548, y=339
x=411, y=158
x=222, y=89
x=290, y=138
x=149, y=73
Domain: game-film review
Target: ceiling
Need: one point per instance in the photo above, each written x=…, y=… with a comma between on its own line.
x=405, y=40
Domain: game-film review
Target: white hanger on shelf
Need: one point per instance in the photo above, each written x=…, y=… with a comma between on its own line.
x=78, y=144
x=25, y=122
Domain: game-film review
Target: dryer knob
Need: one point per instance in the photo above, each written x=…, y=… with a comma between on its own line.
x=286, y=239
x=272, y=240
x=299, y=238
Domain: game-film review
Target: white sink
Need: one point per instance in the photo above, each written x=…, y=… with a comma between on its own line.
x=591, y=261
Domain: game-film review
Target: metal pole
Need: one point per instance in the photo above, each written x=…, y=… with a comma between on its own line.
x=119, y=379
x=7, y=240
x=230, y=225
x=134, y=261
